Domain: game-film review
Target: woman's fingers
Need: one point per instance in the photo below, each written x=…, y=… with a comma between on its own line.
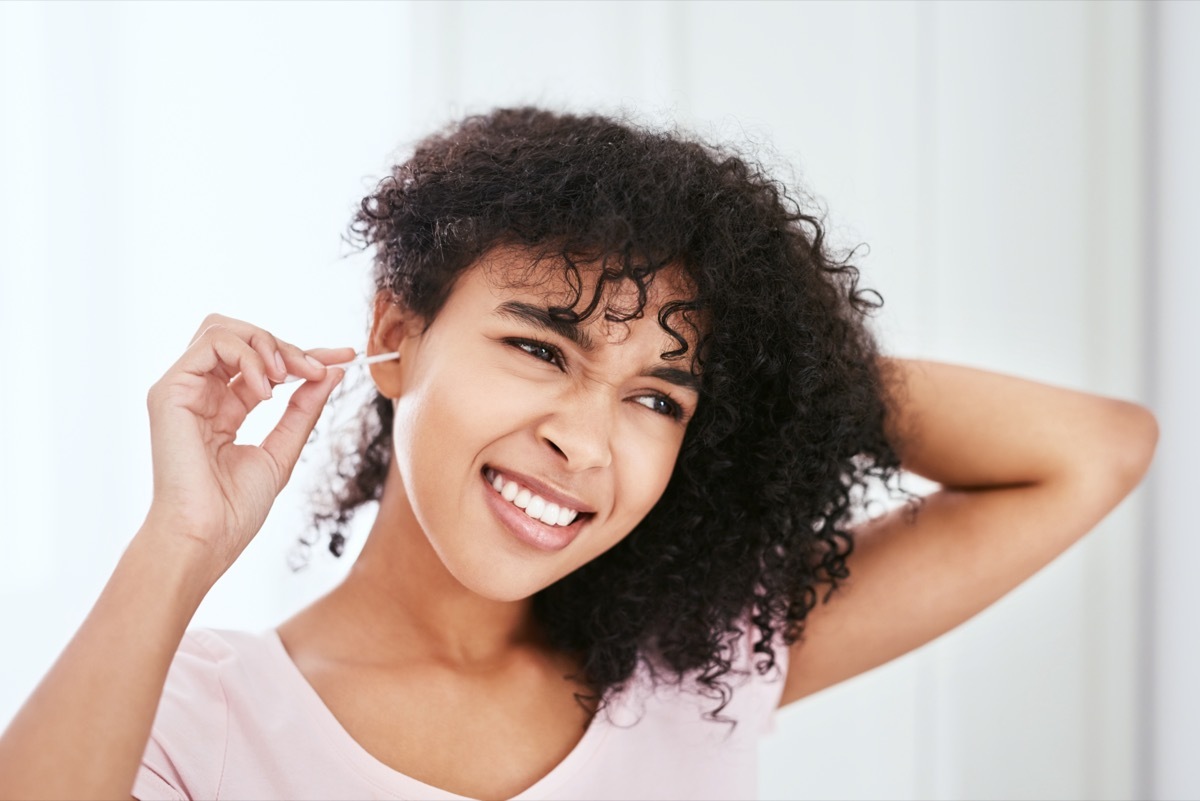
x=287, y=439
x=298, y=362
x=332, y=355
x=247, y=390
x=311, y=364
x=220, y=352
x=251, y=379
x=256, y=338
x=278, y=357
x=249, y=393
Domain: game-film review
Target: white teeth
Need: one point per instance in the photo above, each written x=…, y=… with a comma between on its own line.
x=549, y=515
x=535, y=506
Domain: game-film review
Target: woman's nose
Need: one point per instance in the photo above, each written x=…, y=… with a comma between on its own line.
x=581, y=431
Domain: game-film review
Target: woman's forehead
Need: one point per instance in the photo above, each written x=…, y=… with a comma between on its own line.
x=515, y=284
x=572, y=285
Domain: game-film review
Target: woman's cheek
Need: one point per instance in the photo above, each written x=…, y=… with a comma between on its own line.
x=646, y=465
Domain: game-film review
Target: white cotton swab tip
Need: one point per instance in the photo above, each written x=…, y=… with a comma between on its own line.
x=379, y=357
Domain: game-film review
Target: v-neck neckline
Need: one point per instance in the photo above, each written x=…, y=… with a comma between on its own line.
x=400, y=784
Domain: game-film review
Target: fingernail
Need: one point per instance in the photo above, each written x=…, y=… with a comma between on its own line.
x=279, y=363
x=313, y=361
x=267, y=385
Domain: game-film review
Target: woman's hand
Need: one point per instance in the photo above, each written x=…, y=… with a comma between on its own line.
x=210, y=498
x=208, y=491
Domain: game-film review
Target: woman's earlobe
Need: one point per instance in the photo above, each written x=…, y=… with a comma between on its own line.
x=391, y=326
x=385, y=373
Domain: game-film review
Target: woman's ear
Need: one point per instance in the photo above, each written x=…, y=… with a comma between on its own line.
x=391, y=326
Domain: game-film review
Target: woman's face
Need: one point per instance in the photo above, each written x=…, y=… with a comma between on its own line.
x=582, y=432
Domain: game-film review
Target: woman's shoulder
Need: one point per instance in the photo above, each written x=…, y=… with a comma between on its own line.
x=217, y=649
x=218, y=680
x=210, y=663
x=233, y=671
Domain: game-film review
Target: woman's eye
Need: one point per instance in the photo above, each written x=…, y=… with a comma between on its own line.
x=663, y=405
x=540, y=350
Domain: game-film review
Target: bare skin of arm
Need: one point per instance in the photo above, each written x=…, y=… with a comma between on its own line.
x=1026, y=470
x=82, y=732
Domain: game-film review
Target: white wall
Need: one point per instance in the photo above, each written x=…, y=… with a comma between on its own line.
x=160, y=161
x=1173, y=667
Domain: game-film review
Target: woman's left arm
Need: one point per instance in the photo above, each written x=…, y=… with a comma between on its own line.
x=1026, y=470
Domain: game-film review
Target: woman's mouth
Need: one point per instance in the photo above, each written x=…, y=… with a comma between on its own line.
x=537, y=507
x=530, y=517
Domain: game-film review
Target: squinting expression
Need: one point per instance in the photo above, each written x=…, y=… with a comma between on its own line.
x=526, y=449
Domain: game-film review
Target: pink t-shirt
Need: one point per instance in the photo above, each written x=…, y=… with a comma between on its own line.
x=238, y=720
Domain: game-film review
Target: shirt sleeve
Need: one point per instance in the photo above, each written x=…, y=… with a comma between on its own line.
x=185, y=756
x=763, y=690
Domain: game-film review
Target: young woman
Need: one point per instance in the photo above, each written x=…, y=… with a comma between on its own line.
x=617, y=462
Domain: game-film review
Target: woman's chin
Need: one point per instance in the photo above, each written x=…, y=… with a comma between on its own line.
x=498, y=582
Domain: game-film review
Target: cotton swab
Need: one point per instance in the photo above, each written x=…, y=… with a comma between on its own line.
x=379, y=357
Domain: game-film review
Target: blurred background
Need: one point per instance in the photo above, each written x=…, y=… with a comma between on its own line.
x=1023, y=174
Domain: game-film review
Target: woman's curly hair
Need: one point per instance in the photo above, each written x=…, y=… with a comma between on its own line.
x=790, y=427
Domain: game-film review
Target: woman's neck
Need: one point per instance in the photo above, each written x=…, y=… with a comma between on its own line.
x=400, y=602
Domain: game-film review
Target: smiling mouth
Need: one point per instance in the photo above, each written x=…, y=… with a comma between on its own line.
x=529, y=530
x=531, y=503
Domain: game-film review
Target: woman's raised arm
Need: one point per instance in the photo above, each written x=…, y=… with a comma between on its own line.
x=1026, y=470
x=82, y=732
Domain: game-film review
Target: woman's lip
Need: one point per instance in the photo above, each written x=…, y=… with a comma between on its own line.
x=525, y=528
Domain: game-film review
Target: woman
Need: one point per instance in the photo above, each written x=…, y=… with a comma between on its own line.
x=617, y=458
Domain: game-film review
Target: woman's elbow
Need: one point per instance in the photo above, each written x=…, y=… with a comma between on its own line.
x=1135, y=437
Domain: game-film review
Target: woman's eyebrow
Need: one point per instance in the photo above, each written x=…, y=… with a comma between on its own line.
x=536, y=315
x=539, y=317
x=673, y=375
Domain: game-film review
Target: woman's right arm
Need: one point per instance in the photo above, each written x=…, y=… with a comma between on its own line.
x=84, y=729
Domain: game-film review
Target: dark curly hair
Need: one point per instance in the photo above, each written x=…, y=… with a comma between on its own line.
x=790, y=427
